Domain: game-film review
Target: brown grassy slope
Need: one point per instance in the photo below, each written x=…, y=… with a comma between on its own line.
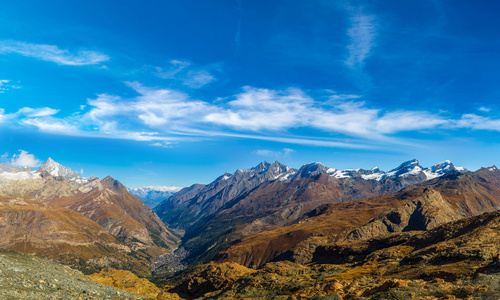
x=108, y=203
x=105, y=201
x=331, y=219
x=33, y=227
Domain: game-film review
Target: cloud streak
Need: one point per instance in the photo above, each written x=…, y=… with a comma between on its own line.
x=188, y=75
x=274, y=154
x=361, y=33
x=53, y=53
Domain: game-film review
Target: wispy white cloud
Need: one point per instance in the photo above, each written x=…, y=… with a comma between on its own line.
x=52, y=126
x=274, y=154
x=27, y=112
x=187, y=74
x=237, y=37
x=362, y=33
x=53, y=53
x=473, y=121
x=264, y=109
x=484, y=109
x=157, y=107
x=38, y=112
x=174, y=67
x=163, y=144
x=6, y=85
x=197, y=79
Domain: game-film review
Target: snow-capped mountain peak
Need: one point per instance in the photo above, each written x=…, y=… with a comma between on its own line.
x=313, y=169
x=410, y=168
x=56, y=169
x=264, y=170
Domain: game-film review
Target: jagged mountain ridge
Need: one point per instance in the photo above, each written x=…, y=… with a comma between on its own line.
x=228, y=186
x=405, y=169
x=195, y=203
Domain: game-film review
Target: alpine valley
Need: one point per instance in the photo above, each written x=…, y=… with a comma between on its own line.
x=267, y=232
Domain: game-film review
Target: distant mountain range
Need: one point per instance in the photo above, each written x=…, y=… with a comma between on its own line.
x=153, y=195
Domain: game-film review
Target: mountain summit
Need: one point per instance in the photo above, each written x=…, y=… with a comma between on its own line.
x=56, y=169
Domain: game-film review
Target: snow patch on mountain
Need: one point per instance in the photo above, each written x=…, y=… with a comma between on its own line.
x=7, y=172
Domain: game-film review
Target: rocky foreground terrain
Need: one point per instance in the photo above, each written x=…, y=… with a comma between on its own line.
x=25, y=276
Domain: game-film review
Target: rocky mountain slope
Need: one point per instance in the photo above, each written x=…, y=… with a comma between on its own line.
x=82, y=222
x=457, y=260
x=270, y=196
x=108, y=203
x=192, y=206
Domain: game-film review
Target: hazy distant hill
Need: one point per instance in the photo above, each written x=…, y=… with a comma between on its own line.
x=153, y=195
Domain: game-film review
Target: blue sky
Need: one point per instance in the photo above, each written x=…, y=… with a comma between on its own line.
x=179, y=92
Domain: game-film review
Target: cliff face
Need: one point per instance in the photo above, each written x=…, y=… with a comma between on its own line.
x=425, y=212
